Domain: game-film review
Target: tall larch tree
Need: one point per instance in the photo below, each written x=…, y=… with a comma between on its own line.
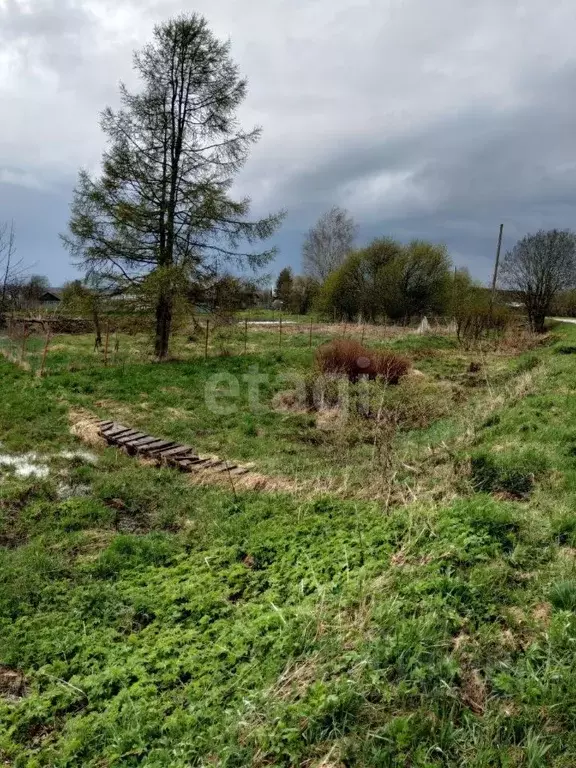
x=160, y=217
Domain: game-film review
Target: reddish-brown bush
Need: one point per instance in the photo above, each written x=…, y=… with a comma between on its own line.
x=351, y=359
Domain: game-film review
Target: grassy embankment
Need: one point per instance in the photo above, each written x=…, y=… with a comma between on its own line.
x=161, y=623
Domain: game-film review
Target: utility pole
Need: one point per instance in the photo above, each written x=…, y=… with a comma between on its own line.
x=497, y=265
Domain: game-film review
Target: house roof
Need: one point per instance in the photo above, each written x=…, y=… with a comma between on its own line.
x=54, y=294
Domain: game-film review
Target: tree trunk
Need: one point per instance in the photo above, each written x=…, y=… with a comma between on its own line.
x=163, y=325
x=97, y=328
x=538, y=321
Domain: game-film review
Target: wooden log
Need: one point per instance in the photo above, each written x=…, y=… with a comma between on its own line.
x=175, y=461
x=129, y=439
x=180, y=450
x=129, y=433
x=205, y=464
x=143, y=442
x=115, y=431
x=189, y=464
x=226, y=467
x=108, y=426
x=132, y=445
x=183, y=464
x=154, y=449
x=126, y=433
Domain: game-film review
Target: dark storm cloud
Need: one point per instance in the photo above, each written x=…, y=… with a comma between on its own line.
x=434, y=120
x=454, y=180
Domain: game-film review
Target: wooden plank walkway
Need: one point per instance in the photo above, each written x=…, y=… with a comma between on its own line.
x=164, y=452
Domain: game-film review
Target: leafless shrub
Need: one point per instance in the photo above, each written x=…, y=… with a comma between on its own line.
x=478, y=321
x=349, y=358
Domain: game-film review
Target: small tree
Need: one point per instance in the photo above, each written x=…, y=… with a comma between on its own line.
x=161, y=216
x=284, y=286
x=461, y=286
x=424, y=279
x=478, y=318
x=538, y=268
x=229, y=294
x=389, y=279
x=364, y=285
x=328, y=243
x=34, y=288
x=10, y=270
x=81, y=299
x=304, y=293
x=266, y=297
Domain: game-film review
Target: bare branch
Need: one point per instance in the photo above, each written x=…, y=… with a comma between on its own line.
x=328, y=243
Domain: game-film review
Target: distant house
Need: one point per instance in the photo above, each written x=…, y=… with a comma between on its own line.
x=51, y=299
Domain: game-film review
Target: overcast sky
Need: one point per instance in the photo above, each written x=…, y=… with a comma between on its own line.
x=426, y=118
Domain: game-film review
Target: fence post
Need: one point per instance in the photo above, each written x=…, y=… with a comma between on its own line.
x=206, y=340
x=310, y=334
x=363, y=332
x=44, y=354
x=245, y=335
x=280, y=341
x=12, y=342
x=106, y=344
x=23, y=349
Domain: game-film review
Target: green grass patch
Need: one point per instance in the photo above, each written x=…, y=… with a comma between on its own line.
x=161, y=623
x=514, y=473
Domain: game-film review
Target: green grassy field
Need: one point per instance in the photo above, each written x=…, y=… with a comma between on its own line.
x=170, y=400
x=407, y=601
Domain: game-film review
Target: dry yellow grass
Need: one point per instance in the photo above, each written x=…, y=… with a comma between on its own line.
x=84, y=426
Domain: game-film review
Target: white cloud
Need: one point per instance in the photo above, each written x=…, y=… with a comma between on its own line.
x=21, y=179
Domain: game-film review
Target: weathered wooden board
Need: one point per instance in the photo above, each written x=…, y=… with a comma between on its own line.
x=129, y=439
x=183, y=457
x=157, y=449
x=143, y=442
x=115, y=429
x=119, y=435
x=226, y=467
x=180, y=450
x=206, y=464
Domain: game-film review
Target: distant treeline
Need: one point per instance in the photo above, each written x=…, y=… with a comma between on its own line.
x=386, y=280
